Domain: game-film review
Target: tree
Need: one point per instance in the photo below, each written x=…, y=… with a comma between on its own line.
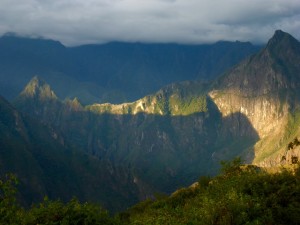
x=74, y=212
x=231, y=167
x=9, y=209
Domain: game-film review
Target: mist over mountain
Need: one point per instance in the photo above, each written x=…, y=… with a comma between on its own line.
x=114, y=72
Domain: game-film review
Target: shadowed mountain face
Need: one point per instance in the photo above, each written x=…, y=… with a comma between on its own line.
x=113, y=72
x=46, y=165
x=165, y=147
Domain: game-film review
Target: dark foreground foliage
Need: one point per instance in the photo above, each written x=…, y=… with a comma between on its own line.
x=48, y=212
x=240, y=195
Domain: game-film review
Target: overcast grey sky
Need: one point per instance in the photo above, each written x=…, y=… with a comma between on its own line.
x=75, y=22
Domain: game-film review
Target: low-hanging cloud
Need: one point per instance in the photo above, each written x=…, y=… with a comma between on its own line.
x=75, y=22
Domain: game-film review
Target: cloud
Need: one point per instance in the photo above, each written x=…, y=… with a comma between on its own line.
x=76, y=22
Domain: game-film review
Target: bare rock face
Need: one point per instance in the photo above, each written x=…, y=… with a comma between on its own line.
x=264, y=113
x=264, y=89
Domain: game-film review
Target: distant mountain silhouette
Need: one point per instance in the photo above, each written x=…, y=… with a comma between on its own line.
x=113, y=72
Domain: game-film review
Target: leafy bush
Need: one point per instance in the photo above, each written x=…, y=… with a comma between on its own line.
x=56, y=212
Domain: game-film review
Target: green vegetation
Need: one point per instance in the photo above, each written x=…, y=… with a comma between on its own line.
x=48, y=212
x=180, y=99
x=272, y=145
x=241, y=194
x=9, y=209
x=292, y=127
x=188, y=105
x=56, y=212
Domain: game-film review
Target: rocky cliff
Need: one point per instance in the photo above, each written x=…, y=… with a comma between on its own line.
x=264, y=88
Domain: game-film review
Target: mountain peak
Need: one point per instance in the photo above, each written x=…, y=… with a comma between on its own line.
x=274, y=68
x=38, y=88
x=281, y=40
x=37, y=81
x=279, y=34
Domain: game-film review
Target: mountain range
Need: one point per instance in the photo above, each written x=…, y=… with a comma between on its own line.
x=168, y=139
x=113, y=72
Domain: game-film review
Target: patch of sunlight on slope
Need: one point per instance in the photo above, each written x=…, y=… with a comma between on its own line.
x=269, y=150
x=177, y=99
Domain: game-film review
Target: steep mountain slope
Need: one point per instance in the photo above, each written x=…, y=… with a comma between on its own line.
x=167, y=139
x=113, y=72
x=45, y=164
x=265, y=88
